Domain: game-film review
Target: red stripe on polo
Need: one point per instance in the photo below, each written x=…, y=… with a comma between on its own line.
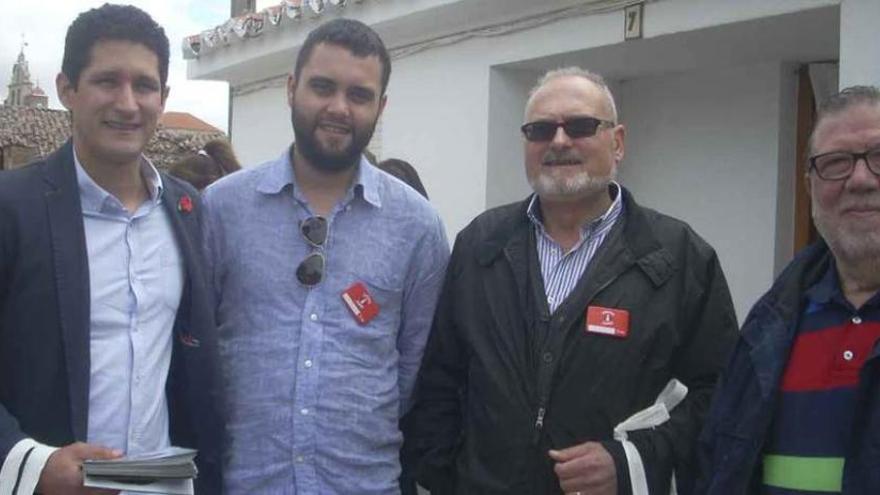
x=829, y=358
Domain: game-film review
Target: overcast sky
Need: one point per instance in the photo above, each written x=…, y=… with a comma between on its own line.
x=44, y=25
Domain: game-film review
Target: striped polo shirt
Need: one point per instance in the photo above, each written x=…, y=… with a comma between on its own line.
x=561, y=271
x=810, y=435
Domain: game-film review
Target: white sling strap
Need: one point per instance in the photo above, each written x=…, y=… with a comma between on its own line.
x=653, y=416
x=22, y=468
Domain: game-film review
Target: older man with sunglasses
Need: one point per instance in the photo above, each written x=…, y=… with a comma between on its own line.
x=327, y=271
x=564, y=315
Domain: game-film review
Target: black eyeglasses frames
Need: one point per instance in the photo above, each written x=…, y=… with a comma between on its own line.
x=839, y=165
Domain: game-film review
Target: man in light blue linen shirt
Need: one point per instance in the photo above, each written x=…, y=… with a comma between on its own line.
x=326, y=273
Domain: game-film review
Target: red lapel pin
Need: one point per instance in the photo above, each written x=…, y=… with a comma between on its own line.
x=185, y=205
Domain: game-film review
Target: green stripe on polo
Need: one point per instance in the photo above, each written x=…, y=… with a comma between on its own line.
x=820, y=474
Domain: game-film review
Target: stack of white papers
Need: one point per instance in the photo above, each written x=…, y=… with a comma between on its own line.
x=168, y=471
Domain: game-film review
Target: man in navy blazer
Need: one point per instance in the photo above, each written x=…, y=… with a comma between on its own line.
x=107, y=339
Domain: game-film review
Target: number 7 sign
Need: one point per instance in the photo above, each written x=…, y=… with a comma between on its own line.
x=632, y=21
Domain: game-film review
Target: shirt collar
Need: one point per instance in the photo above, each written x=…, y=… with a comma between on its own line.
x=828, y=290
x=534, y=211
x=279, y=174
x=823, y=291
x=95, y=198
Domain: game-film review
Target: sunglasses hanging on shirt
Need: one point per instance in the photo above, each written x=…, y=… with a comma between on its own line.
x=310, y=271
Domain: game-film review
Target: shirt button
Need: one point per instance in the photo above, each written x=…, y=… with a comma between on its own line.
x=308, y=363
x=857, y=320
x=304, y=411
x=548, y=357
x=299, y=458
x=848, y=355
x=313, y=317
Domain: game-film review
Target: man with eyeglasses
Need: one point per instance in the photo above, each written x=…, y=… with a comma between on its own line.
x=798, y=409
x=326, y=272
x=564, y=315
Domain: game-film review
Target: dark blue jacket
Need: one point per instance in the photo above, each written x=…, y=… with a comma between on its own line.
x=732, y=442
x=44, y=318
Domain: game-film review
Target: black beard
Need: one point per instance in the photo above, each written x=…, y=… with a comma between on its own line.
x=311, y=150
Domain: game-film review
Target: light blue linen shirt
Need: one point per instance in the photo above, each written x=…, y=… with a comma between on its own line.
x=313, y=397
x=136, y=281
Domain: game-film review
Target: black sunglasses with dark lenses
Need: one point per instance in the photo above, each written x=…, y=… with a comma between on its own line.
x=577, y=127
x=310, y=271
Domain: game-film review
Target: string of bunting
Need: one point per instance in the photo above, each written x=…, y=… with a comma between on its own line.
x=252, y=25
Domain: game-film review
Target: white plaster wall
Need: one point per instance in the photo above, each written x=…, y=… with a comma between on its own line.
x=261, y=125
x=859, y=42
x=704, y=147
x=436, y=118
x=505, y=175
x=438, y=113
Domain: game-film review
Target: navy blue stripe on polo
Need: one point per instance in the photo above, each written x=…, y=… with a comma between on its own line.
x=811, y=434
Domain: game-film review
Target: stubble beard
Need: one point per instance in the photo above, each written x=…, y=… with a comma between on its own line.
x=858, y=250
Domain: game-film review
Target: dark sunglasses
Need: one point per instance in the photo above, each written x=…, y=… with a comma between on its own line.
x=310, y=271
x=577, y=127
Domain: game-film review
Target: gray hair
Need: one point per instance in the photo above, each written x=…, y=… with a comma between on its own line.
x=574, y=71
x=845, y=99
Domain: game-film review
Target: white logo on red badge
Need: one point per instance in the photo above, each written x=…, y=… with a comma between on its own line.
x=607, y=321
x=361, y=304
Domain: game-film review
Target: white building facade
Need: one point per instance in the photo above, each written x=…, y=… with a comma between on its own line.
x=714, y=95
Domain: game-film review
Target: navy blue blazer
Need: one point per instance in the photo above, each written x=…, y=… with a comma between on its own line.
x=44, y=318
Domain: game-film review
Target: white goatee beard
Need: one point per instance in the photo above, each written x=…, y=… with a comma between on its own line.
x=580, y=184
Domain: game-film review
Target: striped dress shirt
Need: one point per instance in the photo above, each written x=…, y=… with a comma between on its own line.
x=561, y=271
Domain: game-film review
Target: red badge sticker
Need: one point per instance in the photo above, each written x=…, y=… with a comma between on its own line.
x=185, y=205
x=361, y=304
x=607, y=321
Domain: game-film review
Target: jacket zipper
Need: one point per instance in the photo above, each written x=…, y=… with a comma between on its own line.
x=539, y=424
x=542, y=410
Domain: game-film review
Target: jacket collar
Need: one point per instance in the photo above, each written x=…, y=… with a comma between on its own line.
x=638, y=238
x=71, y=279
x=769, y=330
x=58, y=170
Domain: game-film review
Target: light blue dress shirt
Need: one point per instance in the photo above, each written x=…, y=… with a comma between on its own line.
x=313, y=397
x=136, y=281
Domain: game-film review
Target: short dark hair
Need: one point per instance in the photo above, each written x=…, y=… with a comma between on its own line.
x=114, y=23
x=405, y=172
x=844, y=99
x=354, y=35
x=216, y=159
